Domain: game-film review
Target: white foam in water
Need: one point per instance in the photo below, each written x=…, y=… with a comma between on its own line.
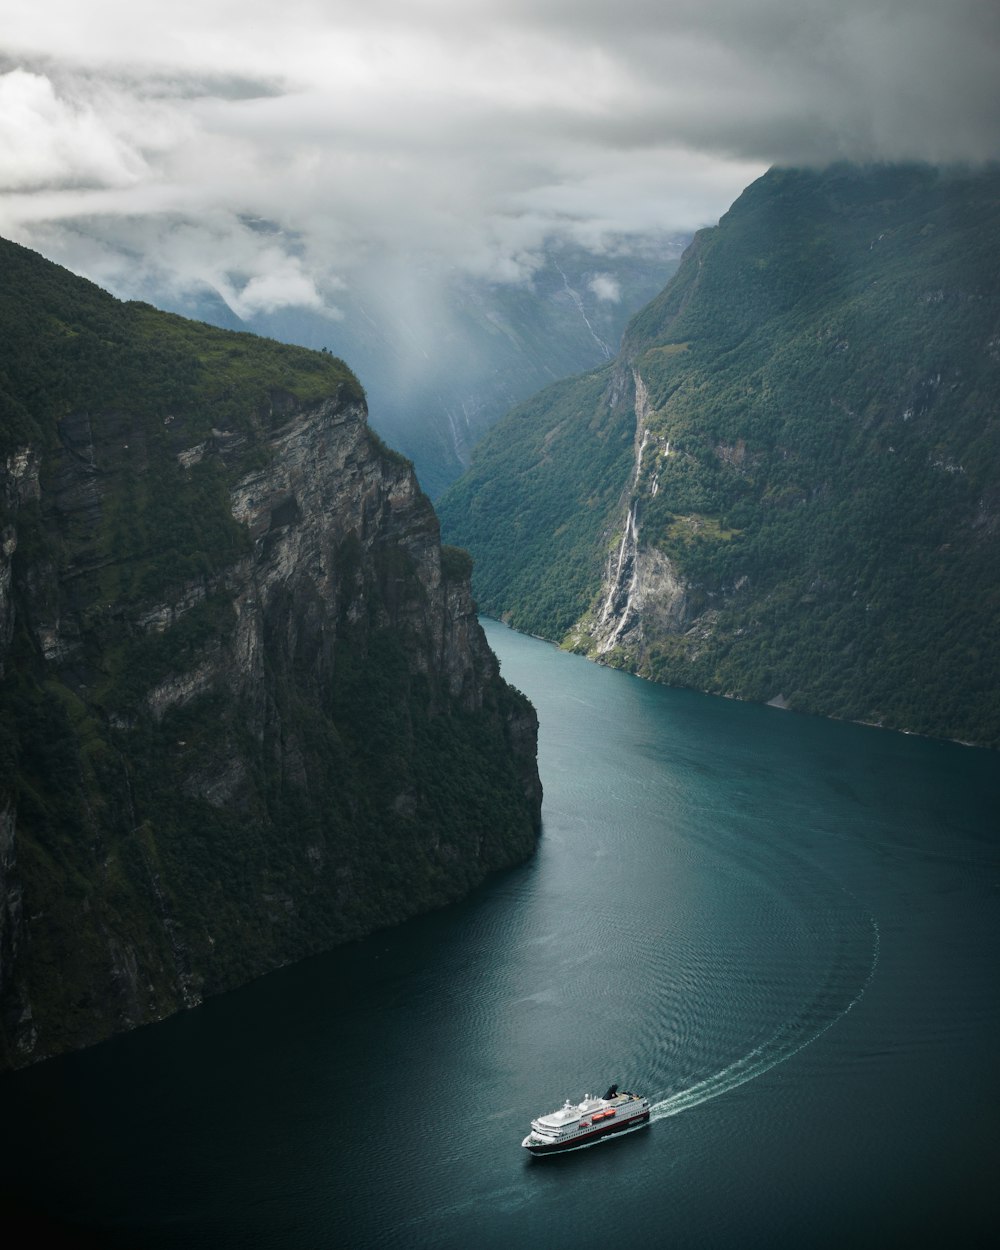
x=761, y=1059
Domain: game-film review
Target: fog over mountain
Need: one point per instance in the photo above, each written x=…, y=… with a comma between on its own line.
x=443, y=355
x=462, y=131
x=323, y=157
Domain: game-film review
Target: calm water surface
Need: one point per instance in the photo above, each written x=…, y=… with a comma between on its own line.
x=783, y=930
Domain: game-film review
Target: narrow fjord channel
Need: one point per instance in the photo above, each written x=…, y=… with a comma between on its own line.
x=782, y=930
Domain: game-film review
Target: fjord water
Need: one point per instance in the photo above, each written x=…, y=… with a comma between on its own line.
x=783, y=930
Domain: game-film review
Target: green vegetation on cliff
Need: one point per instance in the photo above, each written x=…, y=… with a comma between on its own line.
x=68, y=345
x=159, y=383
x=821, y=464
x=536, y=499
x=245, y=709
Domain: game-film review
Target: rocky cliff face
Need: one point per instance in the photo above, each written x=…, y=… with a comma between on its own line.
x=642, y=594
x=247, y=710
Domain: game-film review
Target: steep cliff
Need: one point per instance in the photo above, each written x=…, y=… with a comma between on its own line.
x=806, y=496
x=246, y=709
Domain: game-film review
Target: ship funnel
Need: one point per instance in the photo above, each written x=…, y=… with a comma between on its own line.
x=611, y=1092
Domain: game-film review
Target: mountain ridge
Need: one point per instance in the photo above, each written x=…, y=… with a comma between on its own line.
x=444, y=355
x=807, y=491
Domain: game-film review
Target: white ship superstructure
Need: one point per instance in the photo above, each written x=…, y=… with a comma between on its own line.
x=581, y=1124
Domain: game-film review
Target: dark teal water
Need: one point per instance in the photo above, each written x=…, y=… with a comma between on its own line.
x=784, y=930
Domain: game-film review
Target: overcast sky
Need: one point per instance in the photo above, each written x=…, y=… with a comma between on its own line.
x=275, y=150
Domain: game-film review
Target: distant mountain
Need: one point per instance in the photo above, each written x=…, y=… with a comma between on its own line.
x=787, y=486
x=246, y=709
x=441, y=361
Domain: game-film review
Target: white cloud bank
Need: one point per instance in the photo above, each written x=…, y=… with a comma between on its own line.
x=275, y=152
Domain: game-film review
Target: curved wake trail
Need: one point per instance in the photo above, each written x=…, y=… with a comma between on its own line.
x=792, y=1037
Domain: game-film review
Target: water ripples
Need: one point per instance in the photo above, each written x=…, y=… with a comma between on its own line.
x=816, y=1016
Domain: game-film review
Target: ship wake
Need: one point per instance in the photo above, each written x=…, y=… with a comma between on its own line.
x=815, y=1018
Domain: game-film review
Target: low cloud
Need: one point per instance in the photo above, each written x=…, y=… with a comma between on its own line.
x=141, y=146
x=606, y=288
x=48, y=140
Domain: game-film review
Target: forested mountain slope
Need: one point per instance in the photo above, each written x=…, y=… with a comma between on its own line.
x=246, y=710
x=787, y=487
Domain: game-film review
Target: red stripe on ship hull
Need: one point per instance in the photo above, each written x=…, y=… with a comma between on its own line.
x=605, y=1131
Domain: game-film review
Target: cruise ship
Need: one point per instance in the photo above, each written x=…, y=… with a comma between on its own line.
x=580, y=1124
